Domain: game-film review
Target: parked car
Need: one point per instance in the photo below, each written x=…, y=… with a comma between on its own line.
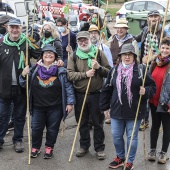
x=141, y=5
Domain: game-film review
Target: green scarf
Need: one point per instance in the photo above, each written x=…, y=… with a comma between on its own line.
x=22, y=39
x=46, y=41
x=89, y=56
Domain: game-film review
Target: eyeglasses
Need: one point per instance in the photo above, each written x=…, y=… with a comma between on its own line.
x=127, y=55
x=85, y=40
x=49, y=52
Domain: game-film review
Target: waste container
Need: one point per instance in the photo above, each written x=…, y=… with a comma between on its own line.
x=138, y=20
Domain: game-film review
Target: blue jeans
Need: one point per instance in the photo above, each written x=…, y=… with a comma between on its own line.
x=49, y=117
x=19, y=116
x=118, y=128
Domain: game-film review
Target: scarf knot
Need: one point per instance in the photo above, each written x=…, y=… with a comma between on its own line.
x=162, y=61
x=89, y=56
x=46, y=41
x=45, y=72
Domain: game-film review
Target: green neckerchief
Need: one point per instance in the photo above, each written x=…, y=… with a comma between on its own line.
x=46, y=41
x=89, y=56
x=22, y=39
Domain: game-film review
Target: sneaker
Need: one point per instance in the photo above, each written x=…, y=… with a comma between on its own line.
x=10, y=126
x=143, y=125
x=117, y=162
x=108, y=121
x=48, y=152
x=100, y=155
x=19, y=147
x=129, y=166
x=1, y=146
x=162, y=158
x=152, y=155
x=81, y=152
x=35, y=152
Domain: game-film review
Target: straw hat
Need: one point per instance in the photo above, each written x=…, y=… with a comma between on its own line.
x=121, y=23
x=93, y=28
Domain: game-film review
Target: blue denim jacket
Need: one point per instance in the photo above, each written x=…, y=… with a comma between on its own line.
x=68, y=96
x=165, y=91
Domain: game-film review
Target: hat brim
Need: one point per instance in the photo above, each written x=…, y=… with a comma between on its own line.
x=121, y=26
x=127, y=52
x=13, y=24
x=93, y=30
x=83, y=37
x=154, y=14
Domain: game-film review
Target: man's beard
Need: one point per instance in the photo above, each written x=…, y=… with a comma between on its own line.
x=85, y=49
x=94, y=40
x=153, y=28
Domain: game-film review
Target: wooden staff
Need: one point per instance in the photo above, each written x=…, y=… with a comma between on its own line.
x=27, y=93
x=163, y=25
x=32, y=34
x=137, y=111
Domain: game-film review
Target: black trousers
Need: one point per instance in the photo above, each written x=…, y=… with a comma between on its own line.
x=157, y=119
x=91, y=108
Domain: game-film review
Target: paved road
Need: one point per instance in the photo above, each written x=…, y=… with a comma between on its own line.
x=10, y=160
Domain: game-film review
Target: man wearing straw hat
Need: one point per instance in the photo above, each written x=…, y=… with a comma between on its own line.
x=12, y=56
x=150, y=35
x=95, y=40
x=81, y=66
x=121, y=37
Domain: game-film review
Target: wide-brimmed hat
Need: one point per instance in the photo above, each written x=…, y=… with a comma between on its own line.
x=83, y=34
x=50, y=47
x=127, y=48
x=154, y=12
x=14, y=21
x=93, y=28
x=121, y=23
x=4, y=19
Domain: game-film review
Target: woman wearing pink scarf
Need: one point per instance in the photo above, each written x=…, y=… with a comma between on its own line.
x=121, y=94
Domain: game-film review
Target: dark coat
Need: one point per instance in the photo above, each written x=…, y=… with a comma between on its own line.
x=68, y=96
x=8, y=54
x=109, y=96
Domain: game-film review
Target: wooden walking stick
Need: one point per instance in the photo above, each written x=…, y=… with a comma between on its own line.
x=27, y=93
x=163, y=25
x=137, y=111
x=32, y=34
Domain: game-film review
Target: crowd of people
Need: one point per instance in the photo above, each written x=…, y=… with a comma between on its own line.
x=58, y=79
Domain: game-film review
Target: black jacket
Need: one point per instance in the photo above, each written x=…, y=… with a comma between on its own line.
x=8, y=54
x=109, y=96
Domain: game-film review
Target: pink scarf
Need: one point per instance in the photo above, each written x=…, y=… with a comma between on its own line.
x=125, y=74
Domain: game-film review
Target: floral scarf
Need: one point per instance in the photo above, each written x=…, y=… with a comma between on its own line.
x=125, y=75
x=162, y=61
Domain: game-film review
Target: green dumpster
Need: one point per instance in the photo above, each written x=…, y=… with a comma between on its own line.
x=138, y=20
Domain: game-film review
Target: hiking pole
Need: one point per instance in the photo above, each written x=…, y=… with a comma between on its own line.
x=27, y=93
x=137, y=111
x=163, y=25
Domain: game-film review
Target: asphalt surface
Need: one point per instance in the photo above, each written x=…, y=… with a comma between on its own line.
x=10, y=160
